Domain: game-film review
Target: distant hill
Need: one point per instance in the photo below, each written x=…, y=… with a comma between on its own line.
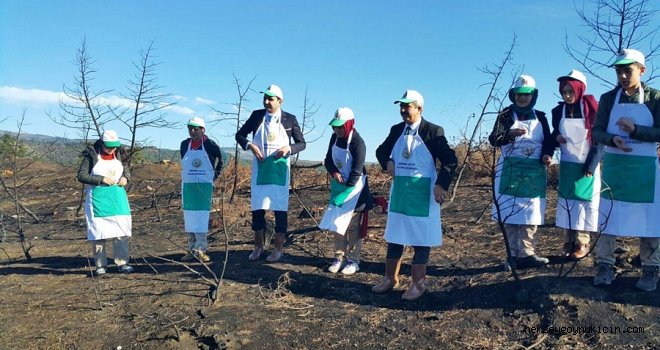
x=66, y=151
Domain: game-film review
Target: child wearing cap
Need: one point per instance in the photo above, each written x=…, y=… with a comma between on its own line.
x=107, y=212
x=628, y=124
x=349, y=192
x=201, y=164
x=579, y=173
x=523, y=136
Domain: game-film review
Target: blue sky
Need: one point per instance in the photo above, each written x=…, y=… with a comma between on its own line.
x=360, y=54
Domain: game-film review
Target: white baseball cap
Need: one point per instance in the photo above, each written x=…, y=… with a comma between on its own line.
x=342, y=115
x=110, y=139
x=575, y=75
x=411, y=96
x=197, y=121
x=274, y=90
x=628, y=56
x=525, y=84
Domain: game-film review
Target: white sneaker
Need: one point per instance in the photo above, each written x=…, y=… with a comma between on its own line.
x=99, y=271
x=350, y=268
x=336, y=265
x=125, y=269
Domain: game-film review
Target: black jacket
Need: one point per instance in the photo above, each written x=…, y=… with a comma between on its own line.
x=595, y=152
x=89, y=160
x=358, y=151
x=212, y=150
x=436, y=142
x=500, y=134
x=289, y=122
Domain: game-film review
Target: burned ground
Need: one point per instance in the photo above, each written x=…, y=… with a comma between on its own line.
x=51, y=302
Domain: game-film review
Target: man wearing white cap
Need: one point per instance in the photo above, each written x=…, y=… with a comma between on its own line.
x=409, y=155
x=628, y=124
x=349, y=192
x=107, y=211
x=201, y=164
x=272, y=130
x=523, y=135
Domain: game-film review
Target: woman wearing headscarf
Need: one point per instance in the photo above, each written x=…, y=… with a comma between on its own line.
x=107, y=211
x=349, y=192
x=523, y=135
x=579, y=175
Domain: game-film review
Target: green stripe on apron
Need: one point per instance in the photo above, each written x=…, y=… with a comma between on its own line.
x=197, y=196
x=523, y=178
x=338, y=193
x=272, y=171
x=410, y=195
x=632, y=177
x=569, y=187
x=110, y=201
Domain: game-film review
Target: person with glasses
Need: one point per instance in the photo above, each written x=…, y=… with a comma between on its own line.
x=107, y=211
x=409, y=155
x=201, y=164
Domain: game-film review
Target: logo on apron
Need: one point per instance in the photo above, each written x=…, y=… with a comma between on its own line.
x=338, y=164
x=112, y=173
x=271, y=136
x=196, y=163
x=406, y=153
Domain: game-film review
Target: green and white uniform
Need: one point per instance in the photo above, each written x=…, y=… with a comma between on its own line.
x=270, y=178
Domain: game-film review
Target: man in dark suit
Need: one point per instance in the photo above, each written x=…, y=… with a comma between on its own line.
x=272, y=130
x=409, y=155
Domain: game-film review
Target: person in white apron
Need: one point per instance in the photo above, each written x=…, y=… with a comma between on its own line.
x=628, y=124
x=272, y=130
x=107, y=212
x=349, y=192
x=523, y=135
x=201, y=164
x=579, y=164
x=409, y=155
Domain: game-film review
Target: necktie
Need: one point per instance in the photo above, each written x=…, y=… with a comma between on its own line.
x=408, y=131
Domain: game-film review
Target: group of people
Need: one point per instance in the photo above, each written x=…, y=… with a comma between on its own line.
x=622, y=199
x=625, y=127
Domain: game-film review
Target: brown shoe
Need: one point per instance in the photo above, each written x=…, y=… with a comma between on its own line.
x=385, y=286
x=256, y=254
x=581, y=250
x=275, y=256
x=415, y=291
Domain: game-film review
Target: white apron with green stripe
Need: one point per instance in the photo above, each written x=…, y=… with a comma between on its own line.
x=630, y=198
x=270, y=178
x=413, y=216
x=573, y=212
x=520, y=177
x=107, y=211
x=343, y=199
x=196, y=189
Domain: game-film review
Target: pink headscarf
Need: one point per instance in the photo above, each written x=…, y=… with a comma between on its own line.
x=589, y=101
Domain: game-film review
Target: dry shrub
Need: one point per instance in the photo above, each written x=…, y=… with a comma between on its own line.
x=280, y=297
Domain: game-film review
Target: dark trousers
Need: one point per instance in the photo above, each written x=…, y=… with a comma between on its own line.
x=259, y=221
x=395, y=251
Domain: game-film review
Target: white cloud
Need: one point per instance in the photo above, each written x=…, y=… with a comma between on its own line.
x=30, y=96
x=181, y=110
x=204, y=101
x=179, y=98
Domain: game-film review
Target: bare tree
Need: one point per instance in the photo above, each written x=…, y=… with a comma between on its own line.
x=614, y=25
x=148, y=102
x=12, y=154
x=81, y=105
x=236, y=117
x=495, y=74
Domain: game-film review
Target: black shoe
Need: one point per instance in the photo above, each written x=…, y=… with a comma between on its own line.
x=531, y=261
